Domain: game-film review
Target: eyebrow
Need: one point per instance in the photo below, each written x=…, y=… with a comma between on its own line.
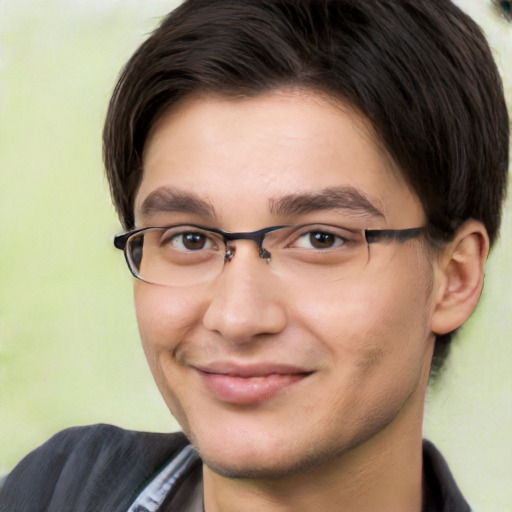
x=169, y=200
x=345, y=198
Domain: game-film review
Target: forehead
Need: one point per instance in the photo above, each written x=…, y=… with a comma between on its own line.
x=244, y=155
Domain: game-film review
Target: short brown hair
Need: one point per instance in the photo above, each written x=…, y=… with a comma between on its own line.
x=421, y=72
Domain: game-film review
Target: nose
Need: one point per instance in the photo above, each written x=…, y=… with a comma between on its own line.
x=246, y=300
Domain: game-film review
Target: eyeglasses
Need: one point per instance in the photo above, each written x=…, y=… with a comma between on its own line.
x=187, y=254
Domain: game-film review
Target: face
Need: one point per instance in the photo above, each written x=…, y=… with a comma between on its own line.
x=271, y=374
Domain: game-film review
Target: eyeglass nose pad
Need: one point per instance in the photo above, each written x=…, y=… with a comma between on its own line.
x=264, y=254
x=228, y=255
x=230, y=252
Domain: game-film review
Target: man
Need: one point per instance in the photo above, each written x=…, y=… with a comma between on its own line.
x=310, y=190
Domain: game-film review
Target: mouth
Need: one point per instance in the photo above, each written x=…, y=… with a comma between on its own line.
x=248, y=384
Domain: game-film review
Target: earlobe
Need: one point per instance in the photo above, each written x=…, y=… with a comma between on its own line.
x=459, y=277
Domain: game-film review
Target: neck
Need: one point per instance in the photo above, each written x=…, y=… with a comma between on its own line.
x=384, y=473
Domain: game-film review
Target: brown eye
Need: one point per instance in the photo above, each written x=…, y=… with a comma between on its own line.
x=191, y=241
x=320, y=240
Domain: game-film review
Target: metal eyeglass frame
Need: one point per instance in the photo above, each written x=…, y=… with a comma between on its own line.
x=371, y=236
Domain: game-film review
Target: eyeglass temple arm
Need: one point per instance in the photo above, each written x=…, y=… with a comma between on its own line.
x=388, y=235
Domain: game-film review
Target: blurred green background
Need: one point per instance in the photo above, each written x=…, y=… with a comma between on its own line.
x=69, y=349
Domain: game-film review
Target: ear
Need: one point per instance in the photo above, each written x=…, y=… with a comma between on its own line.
x=459, y=277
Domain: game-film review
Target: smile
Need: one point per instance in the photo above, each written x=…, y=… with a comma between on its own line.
x=246, y=385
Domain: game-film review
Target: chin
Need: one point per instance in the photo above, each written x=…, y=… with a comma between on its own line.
x=253, y=463
x=255, y=470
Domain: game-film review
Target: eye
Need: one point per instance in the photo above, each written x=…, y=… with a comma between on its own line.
x=189, y=241
x=319, y=240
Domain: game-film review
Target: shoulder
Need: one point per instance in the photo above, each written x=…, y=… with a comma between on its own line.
x=95, y=467
x=441, y=490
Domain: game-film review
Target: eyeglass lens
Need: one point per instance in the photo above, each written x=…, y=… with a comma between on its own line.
x=187, y=255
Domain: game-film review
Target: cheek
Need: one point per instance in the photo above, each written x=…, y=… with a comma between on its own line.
x=379, y=345
x=381, y=322
x=164, y=315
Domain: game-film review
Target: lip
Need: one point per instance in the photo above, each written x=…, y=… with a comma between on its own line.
x=248, y=384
